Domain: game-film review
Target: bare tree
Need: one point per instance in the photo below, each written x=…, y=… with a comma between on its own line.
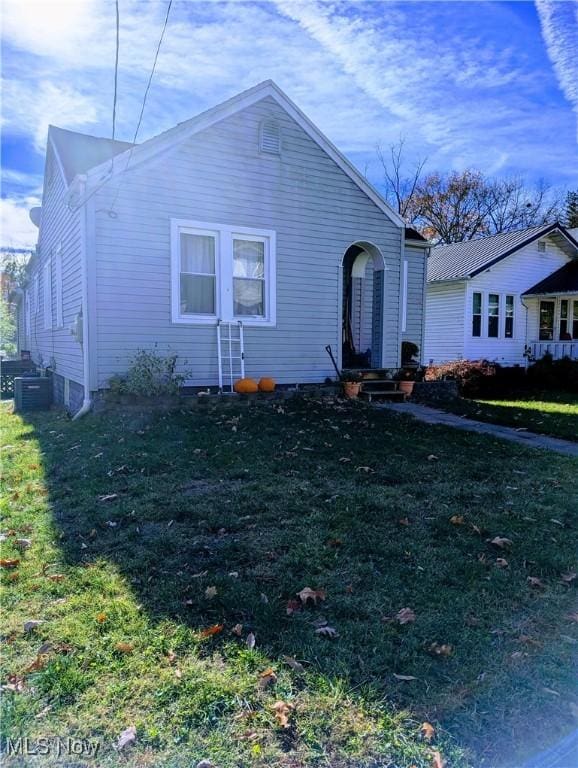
x=400, y=186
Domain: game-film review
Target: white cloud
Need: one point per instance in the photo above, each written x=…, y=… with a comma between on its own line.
x=559, y=22
x=16, y=229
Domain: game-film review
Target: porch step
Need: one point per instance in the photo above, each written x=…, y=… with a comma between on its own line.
x=383, y=394
x=382, y=384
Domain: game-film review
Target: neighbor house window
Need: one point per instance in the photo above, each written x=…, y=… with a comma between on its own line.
x=575, y=320
x=546, y=332
x=222, y=272
x=249, y=277
x=563, y=331
x=477, y=314
x=198, y=275
x=493, y=315
x=47, y=295
x=509, y=318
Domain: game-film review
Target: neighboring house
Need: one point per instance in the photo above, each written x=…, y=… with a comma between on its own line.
x=246, y=213
x=506, y=298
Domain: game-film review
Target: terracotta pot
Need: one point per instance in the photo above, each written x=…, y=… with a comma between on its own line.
x=351, y=389
x=406, y=386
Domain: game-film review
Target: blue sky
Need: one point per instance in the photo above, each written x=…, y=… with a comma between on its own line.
x=491, y=85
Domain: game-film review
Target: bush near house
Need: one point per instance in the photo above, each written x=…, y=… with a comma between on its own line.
x=472, y=376
x=548, y=373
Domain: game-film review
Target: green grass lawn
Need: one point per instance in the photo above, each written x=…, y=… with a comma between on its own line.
x=160, y=548
x=548, y=413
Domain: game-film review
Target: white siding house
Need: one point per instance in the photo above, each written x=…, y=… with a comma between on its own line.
x=246, y=213
x=507, y=298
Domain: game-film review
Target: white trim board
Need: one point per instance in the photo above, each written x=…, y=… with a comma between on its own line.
x=143, y=153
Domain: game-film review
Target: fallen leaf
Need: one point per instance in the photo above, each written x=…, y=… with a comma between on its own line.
x=283, y=712
x=437, y=760
x=23, y=544
x=293, y=606
x=237, y=630
x=440, y=650
x=108, y=497
x=501, y=562
x=124, y=647
x=535, y=582
x=569, y=577
x=573, y=617
x=501, y=542
x=457, y=520
x=405, y=678
x=433, y=457
x=31, y=625
x=475, y=529
x=126, y=738
x=9, y=562
x=56, y=577
x=16, y=684
x=39, y=663
x=101, y=618
x=210, y=592
x=214, y=630
x=334, y=543
x=171, y=657
x=267, y=678
x=311, y=594
x=250, y=641
x=327, y=632
x=403, y=521
x=367, y=470
x=427, y=731
x=294, y=664
x=405, y=616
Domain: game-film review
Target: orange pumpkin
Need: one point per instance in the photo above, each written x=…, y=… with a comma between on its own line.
x=246, y=386
x=266, y=385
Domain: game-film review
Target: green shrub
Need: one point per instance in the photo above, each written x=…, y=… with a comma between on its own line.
x=149, y=375
x=548, y=373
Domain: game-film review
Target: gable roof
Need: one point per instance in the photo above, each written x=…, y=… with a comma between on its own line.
x=78, y=152
x=564, y=280
x=142, y=153
x=461, y=261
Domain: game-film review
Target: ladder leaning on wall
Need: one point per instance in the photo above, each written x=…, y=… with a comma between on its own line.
x=231, y=353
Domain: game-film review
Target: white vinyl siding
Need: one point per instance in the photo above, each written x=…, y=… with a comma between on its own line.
x=47, y=295
x=444, y=322
x=219, y=175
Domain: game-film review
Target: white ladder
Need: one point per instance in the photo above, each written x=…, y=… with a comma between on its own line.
x=231, y=353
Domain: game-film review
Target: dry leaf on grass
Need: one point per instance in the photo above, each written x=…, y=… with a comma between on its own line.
x=15, y=684
x=267, y=678
x=433, y=457
x=108, y=497
x=314, y=595
x=250, y=641
x=101, y=618
x=126, y=738
x=327, y=632
x=403, y=521
x=535, y=582
x=294, y=664
x=29, y=626
x=23, y=544
x=427, y=731
x=457, y=520
x=124, y=647
x=283, y=712
x=57, y=577
x=501, y=562
x=405, y=678
x=569, y=577
x=443, y=649
x=293, y=606
x=237, y=630
x=437, y=760
x=9, y=562
x=405, y=616
x=214, y=630
x=501, y=542
x=210, y=592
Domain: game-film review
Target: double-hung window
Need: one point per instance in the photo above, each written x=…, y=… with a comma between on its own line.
x=222, y=272
x=575, y=320
x=546, y=329
x=493, y=315
x=563, y=329
x=476, y=314
x=509, y=318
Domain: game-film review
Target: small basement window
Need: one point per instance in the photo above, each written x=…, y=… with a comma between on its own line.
x=270, y=137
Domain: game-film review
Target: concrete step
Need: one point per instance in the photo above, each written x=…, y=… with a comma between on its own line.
x=386, y=384
x=384, y=394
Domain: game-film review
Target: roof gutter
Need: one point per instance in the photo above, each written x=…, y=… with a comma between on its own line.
x=87, y=402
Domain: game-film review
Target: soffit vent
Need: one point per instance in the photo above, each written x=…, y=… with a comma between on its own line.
x=541, y=246
x=270, y=137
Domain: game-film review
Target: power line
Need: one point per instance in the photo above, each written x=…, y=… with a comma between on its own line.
x=144, y=101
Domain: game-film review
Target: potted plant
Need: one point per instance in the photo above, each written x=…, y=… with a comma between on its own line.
x=407, y=377
x=351, y=383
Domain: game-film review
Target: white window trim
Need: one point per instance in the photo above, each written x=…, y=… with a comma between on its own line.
x=224, y=235
x=485, y=315
x=404, y=295
x=58, y=286
x=47, y=294
x=28, y=318
x=35, y=294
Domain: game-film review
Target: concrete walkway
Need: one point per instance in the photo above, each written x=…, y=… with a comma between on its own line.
x=530, y=439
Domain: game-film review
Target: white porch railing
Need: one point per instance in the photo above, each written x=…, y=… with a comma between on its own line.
x=558, y=349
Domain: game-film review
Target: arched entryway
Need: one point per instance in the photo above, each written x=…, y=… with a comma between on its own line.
x=362, y=315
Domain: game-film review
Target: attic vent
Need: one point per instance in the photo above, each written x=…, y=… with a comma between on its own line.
x=270, y=137
x=542, y=246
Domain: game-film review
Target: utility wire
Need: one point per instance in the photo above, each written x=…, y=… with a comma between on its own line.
x=144, y=101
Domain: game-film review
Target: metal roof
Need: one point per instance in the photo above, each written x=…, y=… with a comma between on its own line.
x=460, y=261
x=78, y=152
x=564, y=280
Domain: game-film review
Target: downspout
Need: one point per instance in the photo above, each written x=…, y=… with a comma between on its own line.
x=83, y=212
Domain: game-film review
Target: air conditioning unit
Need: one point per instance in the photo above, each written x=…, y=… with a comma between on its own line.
x=32, y=393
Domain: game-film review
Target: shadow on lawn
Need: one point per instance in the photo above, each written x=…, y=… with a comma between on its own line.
x=260, y=503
